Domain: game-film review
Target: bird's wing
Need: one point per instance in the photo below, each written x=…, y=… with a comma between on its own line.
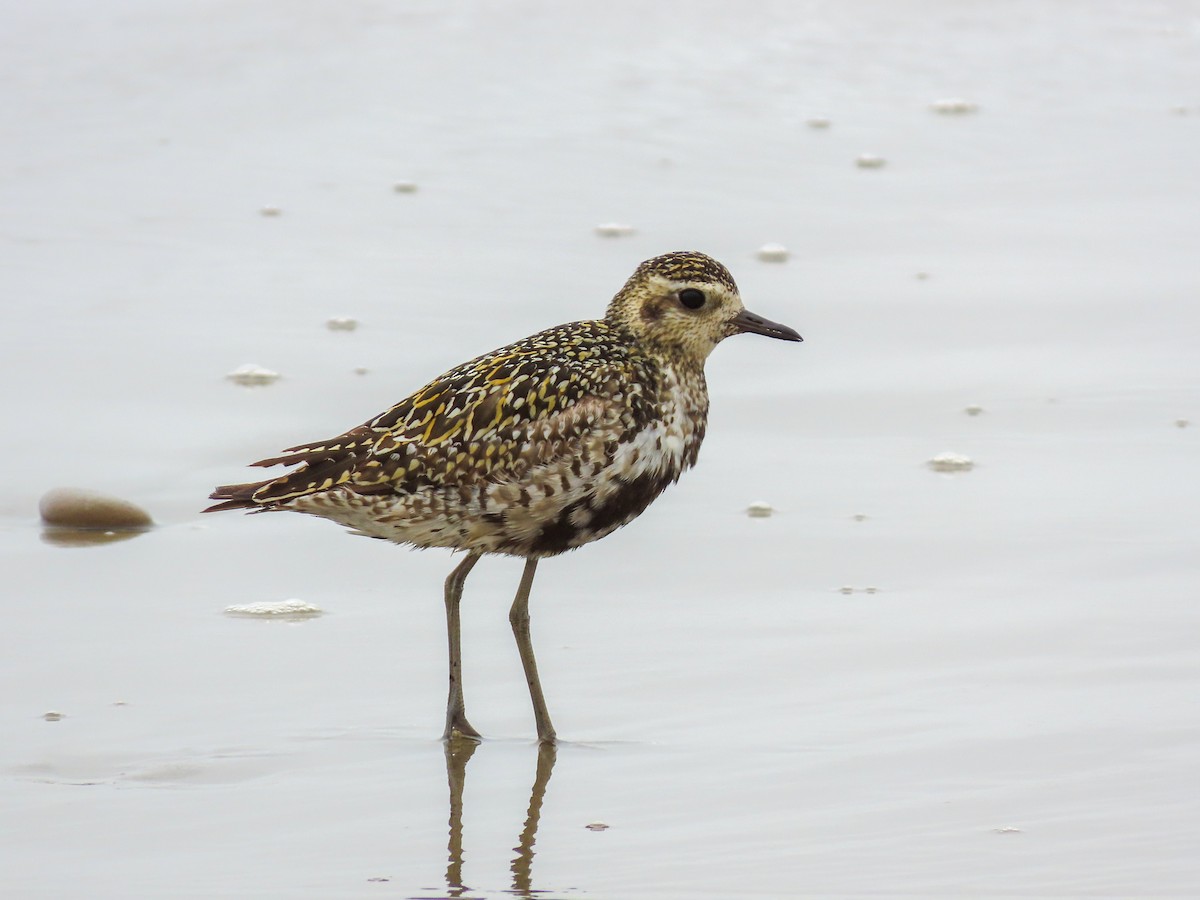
x=490, y=419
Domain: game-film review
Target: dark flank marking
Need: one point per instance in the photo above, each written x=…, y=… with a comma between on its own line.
x=558, y=536
x=629, y=501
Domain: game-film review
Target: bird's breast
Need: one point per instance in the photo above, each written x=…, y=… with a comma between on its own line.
x=644, y=460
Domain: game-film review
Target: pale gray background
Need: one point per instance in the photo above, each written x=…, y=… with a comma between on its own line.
x=1013, y=713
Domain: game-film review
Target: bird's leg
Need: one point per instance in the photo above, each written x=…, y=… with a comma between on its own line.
x=456, y=711
x=518, y=616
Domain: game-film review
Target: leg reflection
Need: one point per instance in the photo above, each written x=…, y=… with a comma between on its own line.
x=458, y=753
x=522, y=864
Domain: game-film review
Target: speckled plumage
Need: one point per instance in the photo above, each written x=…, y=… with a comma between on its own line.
x=540, y=446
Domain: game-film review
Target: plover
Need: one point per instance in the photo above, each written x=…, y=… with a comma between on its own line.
x=533, y=449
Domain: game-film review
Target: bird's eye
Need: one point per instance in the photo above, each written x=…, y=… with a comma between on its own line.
x=692, y=298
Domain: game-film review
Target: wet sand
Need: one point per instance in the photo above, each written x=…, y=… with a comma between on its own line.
x=904, y=682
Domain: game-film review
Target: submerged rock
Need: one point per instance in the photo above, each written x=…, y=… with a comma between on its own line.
x=78, y=508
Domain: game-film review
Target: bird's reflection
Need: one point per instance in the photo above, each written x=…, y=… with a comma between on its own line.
x=522, y=864
x=458, y=754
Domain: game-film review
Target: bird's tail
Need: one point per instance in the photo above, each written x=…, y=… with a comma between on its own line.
x=237, y=496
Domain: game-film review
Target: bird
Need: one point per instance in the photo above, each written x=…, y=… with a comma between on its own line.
x=532, y=450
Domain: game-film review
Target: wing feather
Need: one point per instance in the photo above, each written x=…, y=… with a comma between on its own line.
x=488, y=420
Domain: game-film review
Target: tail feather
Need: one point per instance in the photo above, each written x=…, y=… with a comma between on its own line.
x=353, y=442
x=236, y=496
x=322, y=465
x=269, y=494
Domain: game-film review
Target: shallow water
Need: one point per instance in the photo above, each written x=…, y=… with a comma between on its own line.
x=1006, y=702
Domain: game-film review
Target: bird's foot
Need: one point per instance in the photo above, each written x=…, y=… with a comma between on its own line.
x=458, y=728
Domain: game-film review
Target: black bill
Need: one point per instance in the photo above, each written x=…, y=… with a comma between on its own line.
x=749, y=322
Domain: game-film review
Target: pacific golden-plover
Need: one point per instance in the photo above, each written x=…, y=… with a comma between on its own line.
x=533, y=449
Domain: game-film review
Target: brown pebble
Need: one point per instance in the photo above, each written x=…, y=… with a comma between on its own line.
x=78, y=508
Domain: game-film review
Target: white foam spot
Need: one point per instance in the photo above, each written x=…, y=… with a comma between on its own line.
x=341, y=323
x=951, y=462
x=266, y=608
x=953, y=106
x=773, y=253
x=251, y=375
x=614, y=229
x=760, y=509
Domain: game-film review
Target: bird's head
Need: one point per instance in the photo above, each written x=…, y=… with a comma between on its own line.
x=683, y=304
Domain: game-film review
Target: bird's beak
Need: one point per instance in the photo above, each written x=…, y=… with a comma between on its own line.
x=748, y=321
